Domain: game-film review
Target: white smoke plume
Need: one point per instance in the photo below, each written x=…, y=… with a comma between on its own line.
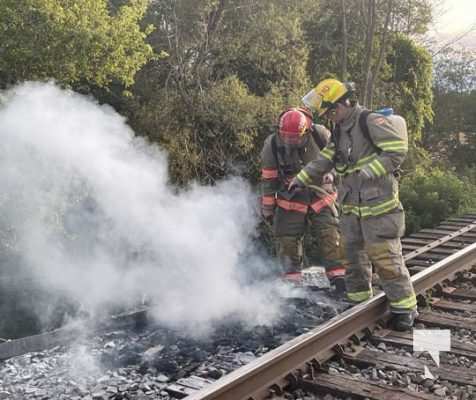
x=92, y=216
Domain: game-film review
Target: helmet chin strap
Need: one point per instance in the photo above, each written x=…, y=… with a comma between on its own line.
x=346, y=113
x=289, y=150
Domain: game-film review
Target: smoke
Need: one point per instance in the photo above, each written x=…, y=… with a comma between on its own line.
x=89, y=212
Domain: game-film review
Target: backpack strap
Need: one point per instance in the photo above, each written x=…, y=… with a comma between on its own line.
x=335, y=138
x=274, y=149
x=364, y=127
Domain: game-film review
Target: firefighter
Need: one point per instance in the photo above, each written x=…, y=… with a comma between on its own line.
x=366, y=151
x=297, y=142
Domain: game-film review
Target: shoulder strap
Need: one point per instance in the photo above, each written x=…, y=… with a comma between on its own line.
x=302, y=152
x=335, y=137
x=274, y=149
x=364, y=127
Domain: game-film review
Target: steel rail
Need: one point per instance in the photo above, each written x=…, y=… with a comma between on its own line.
x=275, y=365
x=438, y=242
x=66, y=334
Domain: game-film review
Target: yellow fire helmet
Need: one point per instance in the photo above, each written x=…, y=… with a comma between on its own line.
x=326, y=94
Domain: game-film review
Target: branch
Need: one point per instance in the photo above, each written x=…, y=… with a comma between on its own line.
x=455, y=40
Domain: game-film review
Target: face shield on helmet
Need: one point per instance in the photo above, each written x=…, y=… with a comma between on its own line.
x=294, y=125
x=326, y=95
x=312, y=100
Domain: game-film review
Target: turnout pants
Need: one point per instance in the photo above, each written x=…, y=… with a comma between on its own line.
x=322, y=236
x=376, y=241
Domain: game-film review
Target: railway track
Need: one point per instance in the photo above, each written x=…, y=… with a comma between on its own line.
x=313, y=362
x=434, y=258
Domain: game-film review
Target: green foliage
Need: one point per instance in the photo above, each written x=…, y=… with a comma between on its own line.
x=324, y=34
x=455, y=71
x=72, y=41
x=451, y=137
x=412, y=84
x=232, y=68
x=221, y=136
x=229, y=67
x=270, y=52
x=430, y=196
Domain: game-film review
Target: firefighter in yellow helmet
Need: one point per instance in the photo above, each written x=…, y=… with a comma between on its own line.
x=297, y=142
x=366, y=150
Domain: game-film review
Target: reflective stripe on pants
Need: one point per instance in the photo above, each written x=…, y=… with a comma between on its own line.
x=377, y=239
x=358, y=297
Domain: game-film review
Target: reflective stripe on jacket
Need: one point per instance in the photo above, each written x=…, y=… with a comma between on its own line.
x=358, y=194
x=274, y=187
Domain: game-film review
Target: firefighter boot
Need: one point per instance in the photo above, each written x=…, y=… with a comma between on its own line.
x=339, y=284
x=404, y=321
x=336, y=275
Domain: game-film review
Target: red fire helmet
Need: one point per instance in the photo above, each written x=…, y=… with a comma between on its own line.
x=294, y=124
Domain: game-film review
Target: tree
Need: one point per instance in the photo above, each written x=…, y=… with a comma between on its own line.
x=232, y=67
x=451, y=138
x=411, y=84
x=72, y=41
x=363, y=42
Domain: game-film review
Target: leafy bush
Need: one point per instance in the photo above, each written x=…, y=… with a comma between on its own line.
x=72, y=42
x=429, y=197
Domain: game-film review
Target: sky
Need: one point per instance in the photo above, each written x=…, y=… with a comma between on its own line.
x=455, y=17
x=459, y=15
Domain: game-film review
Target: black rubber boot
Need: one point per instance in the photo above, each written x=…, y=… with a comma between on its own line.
x=404, y=321
x=339, y=284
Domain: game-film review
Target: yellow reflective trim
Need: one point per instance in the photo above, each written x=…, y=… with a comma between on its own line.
x=406, y=303
x=359, y=296
x=328, y=153
x=372, y=211
x=386, y=142
x=374, y=169
x=365, y=160
x=379, y=166
x=340, y=167
x=304, y=177
x=348, y=209
x=394, y=146
x=360, y=164
x=396, y=150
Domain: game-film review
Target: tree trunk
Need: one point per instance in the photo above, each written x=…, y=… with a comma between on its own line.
x=369, y=44
x=383, y=48
x=344, y=42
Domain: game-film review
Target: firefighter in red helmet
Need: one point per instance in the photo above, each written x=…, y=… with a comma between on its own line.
x=294, y=214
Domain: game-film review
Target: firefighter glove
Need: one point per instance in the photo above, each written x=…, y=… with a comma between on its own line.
x=328, y=178
x=328, y=182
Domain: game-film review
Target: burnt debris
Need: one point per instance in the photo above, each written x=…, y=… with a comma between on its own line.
x=154, y=362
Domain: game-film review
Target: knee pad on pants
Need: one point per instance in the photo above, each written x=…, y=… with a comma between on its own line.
x=387, y=259
x=290, y=252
